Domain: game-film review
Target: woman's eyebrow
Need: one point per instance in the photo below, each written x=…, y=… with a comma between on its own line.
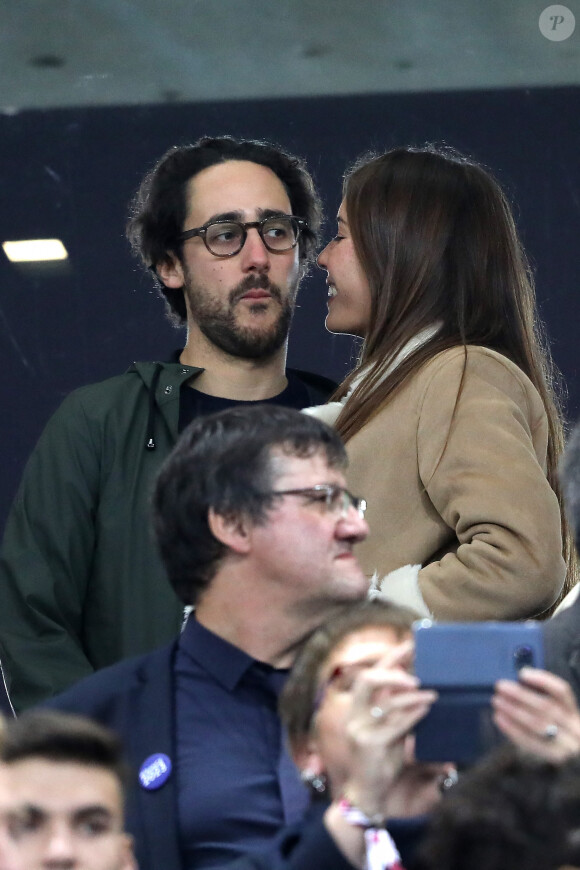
x=346, y=666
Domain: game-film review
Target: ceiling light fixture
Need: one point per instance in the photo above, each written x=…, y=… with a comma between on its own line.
x=35, y=250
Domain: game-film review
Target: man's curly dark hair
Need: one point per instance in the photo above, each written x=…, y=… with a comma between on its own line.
x=159, y=207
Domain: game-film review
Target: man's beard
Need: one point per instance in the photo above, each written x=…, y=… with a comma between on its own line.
x=217, y=319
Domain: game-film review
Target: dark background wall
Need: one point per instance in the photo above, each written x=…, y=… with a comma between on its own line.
x=71, y=173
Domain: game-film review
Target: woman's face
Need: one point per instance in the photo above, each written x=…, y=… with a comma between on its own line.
x=349, y=297
x=329, y=747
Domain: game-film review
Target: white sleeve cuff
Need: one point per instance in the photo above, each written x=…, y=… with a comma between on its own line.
x=401, y=587
x=327, y=413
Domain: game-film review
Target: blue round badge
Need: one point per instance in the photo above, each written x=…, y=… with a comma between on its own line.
x=155, y=771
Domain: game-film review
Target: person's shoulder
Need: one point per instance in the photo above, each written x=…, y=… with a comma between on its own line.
x=104, y=392
x=474, y=356
x=103, y=688
x=477, y=361
x=564, y=625
x=138, y=374
x=562, y=644
x=99, y=397
x=475, y=373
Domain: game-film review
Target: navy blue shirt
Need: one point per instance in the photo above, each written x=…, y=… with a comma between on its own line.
x=236, y=785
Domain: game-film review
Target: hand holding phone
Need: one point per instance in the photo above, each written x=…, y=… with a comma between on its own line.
x=462, y=662
x=539, y=714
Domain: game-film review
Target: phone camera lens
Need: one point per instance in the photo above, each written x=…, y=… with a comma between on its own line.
x=523, y=657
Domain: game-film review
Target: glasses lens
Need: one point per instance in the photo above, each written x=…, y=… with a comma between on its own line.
x=343, y=499
x=280, y=233
x=335, y=498
x=224, y=239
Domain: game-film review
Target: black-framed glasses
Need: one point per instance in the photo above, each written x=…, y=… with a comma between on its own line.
x=227, y=238
x=334, y=498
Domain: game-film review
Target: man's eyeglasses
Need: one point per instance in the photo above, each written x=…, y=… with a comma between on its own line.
x=334, y=498
x=227, y=238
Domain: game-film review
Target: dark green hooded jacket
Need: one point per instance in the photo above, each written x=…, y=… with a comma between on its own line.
x=81, y=583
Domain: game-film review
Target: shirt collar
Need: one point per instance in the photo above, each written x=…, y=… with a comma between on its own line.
x=226, y=663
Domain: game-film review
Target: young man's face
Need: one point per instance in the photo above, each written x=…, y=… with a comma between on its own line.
x=242, y=304
x=61, y=816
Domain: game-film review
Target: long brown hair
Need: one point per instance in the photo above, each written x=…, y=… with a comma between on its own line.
x=436, y=238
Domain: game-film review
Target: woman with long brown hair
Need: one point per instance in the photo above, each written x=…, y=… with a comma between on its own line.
x=451, y=417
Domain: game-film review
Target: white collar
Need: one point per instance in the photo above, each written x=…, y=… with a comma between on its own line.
x=329, y=413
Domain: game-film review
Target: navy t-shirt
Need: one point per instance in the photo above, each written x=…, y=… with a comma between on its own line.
x=194, y=404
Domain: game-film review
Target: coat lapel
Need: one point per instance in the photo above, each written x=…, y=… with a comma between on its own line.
x=154, y=810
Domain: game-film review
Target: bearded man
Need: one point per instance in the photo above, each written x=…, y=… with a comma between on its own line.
x=228, y=227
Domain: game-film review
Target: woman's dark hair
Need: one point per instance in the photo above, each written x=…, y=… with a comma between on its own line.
x=298, y=697
x=436, y=238
x=159, y=207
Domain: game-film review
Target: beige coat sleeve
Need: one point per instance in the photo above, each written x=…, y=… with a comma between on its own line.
x=485, y=476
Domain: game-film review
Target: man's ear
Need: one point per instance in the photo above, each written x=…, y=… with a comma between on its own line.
x=233, y=530
x=170, y=272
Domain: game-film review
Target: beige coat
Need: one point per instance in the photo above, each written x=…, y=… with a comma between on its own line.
x=477, y=512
